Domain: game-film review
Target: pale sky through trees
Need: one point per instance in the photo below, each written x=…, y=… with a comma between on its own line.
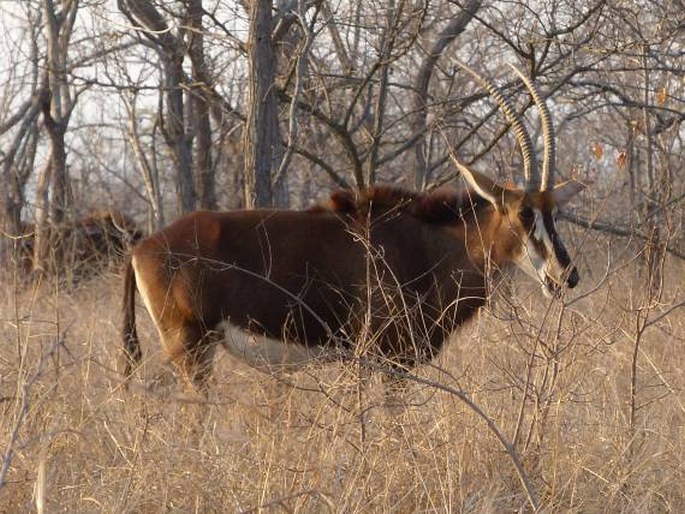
x=589, y=58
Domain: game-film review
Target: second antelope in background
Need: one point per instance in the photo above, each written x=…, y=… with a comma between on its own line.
x=383, y=273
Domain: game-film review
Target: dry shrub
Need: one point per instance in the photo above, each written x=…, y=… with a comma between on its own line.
x=589, y=391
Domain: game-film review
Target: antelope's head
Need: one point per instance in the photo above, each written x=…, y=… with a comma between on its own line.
x=529, y=213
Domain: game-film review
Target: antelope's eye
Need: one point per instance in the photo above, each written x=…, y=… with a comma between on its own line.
x=527, y=216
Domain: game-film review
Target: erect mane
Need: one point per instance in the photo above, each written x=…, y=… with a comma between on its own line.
x=439, y=206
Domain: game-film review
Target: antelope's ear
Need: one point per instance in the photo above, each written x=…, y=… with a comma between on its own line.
x=567, y=190
x=482, y=185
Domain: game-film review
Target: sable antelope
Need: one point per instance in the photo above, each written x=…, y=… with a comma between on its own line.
x=97, y=238
x=104, y=235
x=387, y=271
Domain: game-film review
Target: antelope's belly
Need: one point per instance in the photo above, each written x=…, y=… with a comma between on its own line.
x=269, y=354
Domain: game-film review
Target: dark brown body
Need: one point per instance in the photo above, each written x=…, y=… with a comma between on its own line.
x=389, y=272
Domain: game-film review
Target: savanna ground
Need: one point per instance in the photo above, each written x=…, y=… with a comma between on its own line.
x=600, y=427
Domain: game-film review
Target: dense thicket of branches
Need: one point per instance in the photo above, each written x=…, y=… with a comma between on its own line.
x=160, y=107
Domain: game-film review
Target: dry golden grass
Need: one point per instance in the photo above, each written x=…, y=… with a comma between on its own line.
x=594, y=432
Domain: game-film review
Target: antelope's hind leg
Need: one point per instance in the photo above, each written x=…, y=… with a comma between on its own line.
x=191, y=348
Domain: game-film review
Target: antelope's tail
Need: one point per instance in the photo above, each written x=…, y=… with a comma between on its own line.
x=131, y=349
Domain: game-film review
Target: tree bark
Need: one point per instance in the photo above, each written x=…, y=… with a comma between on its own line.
x=57, y=105
x=17, y=164
x=201, y=109
x=261, y=128
x=174, y=128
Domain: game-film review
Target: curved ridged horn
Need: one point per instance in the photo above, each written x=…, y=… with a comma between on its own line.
x=530, y=165
x=549, y=156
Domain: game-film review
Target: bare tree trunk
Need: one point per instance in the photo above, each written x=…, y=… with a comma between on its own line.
x=57, y=107
x=174, y=129
x=148, y=169
x=59, y=26
x=261, y=132
x=654, y=250
x=60, y=202
x=332, y=27
x=171, y=50
x=387, y=40
x=17, y=165
x=41, y=246
x=201, y=120
x=293, y=62
x=421, y=99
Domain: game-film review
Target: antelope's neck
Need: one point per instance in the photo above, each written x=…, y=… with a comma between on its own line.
x=487, y=239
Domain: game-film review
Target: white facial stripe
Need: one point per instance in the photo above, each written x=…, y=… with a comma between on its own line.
x=531, y=261
x=534, y=259
x=540, y=233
